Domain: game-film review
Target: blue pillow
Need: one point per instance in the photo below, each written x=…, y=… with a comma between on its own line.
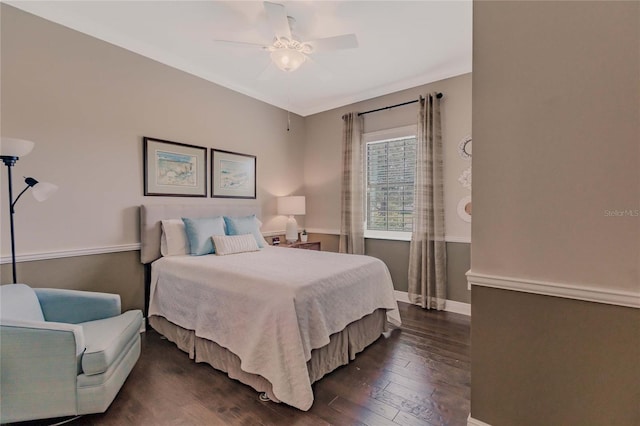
x=244, y=225
x=199, y=232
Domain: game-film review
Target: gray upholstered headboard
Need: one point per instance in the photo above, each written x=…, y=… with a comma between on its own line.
x=151, y=215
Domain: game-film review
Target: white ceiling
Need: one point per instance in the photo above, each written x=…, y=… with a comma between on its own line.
x=401, y=44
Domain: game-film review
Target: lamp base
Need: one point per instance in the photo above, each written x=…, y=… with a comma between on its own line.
x=292, y=230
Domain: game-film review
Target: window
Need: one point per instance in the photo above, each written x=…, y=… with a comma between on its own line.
x=390, y=160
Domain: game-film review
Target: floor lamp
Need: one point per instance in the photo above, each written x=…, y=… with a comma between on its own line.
x=11, y=150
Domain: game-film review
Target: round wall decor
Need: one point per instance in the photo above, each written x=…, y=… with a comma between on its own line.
x=464, y=208
x=464, y=148
x=465, y=178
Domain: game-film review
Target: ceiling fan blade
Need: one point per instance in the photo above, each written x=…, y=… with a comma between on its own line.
x=346, y=41
x=320, y=72
x=270, y=72
x=241, y=44
x=277, y=18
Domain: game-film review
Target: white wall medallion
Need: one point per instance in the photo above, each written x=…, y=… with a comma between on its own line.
x=464, y=208
x=464, y=148
x=465, y=179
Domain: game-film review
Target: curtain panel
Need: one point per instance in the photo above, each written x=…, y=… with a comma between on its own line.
x=352, y=194
x=427, y=255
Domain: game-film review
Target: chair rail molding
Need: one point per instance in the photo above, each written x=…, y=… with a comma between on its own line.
x=548, y=288
x=58, y=254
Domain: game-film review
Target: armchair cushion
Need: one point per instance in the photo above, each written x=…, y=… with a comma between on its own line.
x=19, y=302
x=106, y=339
x=75, y=306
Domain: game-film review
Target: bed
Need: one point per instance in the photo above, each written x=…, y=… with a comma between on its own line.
x=276, y=319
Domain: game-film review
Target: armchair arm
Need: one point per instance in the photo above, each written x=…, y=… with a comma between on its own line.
x=75, y=306
x=39, y=364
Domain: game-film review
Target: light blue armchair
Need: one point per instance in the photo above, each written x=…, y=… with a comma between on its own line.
x=63, y=352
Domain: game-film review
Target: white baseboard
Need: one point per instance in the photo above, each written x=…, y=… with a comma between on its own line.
x=475, y=422
x=569, y=291
x=449, y=306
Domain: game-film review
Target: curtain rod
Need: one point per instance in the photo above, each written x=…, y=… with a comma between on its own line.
x=438, y=95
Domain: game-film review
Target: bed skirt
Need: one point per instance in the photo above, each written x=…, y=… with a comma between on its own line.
x=342, y=348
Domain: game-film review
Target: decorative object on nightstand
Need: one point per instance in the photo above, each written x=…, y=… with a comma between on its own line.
x=304, y=236
x=10, y=151
x=292, y=205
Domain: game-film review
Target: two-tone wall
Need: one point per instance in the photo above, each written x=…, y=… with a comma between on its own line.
x=322, y=174
x=87, y=104
x=555, y=260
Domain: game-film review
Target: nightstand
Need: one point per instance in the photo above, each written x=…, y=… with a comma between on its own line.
x=309, y=245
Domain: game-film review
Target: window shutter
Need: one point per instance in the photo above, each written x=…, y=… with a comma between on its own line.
x=390, y=179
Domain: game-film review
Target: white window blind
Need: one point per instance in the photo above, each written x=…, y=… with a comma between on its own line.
x=390, y=176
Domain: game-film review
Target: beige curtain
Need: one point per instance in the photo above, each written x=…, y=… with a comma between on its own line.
x=352, y=198
x=427, y=255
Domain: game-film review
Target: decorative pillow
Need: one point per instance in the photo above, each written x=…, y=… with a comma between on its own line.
x=245, y=225
x=199, y=231
x=231, y=244
x=174, y=239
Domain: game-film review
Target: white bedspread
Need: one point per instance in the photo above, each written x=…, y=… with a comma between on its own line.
x=272, y=307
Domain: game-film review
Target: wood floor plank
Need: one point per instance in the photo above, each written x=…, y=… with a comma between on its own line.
x=358, y=412
x=406, y=419
x=418, y=375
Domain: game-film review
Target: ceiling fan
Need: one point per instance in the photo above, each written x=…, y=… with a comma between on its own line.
x=287, y=51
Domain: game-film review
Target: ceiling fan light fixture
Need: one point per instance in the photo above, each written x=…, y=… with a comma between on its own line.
x=287, y=59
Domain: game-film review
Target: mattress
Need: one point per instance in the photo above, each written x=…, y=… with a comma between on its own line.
x=271, y=308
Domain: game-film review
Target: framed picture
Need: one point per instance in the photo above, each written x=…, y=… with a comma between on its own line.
x=173, y=169
x=233, y=175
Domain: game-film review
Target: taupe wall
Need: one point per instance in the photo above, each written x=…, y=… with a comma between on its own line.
x=87, y=104
x=119, y=273
x=541, y=360
x=395, y=254
x=323, y=153
x=556, y=107
x=323, y=150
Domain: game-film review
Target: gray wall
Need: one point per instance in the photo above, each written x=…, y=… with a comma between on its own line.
x=556, y=108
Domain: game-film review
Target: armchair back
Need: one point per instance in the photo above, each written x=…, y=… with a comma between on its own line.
x=19, y=302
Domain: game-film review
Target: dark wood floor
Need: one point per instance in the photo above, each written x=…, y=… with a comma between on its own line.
x=419, y=375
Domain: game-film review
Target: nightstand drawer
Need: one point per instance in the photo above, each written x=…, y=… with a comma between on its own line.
x=310, y=245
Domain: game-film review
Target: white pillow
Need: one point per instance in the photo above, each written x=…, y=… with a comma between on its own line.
x=231, y=244
x=264, y=242
x=173, y=241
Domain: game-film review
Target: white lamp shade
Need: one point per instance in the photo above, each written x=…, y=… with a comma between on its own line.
x=291, y=205
x=12, y=147
x=287, y=59
x=43, y=190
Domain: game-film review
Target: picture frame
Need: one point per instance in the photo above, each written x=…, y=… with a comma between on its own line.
x=233, y=175
x=174, y=169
